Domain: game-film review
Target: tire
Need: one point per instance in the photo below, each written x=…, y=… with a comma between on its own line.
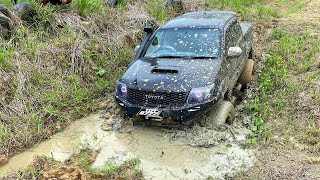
x=25, y=12
x=247, y=73
x=5, y=26
x=222, y=113
x=5, y=11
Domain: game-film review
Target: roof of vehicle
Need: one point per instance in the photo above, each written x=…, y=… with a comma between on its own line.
x=211, y=19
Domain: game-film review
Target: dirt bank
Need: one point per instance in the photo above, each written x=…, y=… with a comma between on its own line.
x=293, y=149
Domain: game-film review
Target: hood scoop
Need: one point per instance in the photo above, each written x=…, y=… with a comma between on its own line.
x=164, y=71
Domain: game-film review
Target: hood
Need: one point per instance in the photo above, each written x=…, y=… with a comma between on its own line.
x=176, y=75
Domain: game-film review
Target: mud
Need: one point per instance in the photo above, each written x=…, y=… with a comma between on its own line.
x=3, y=160
x=163, y=154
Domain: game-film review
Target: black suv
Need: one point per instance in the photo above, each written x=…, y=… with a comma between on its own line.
x=188, y=65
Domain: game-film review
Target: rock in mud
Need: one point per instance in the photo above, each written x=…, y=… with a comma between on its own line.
x=3, y=160
x=112, y=122
x=116, y=123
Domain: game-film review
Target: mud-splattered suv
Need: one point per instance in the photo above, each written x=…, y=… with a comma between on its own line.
x=189, y=65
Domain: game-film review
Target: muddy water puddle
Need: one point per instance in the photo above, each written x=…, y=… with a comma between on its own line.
x=161, y=156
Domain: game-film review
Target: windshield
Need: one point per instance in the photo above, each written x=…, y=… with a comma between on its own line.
x=184, y=43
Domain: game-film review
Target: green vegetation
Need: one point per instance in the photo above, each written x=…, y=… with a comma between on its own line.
x=79, y=166
x=157, y=10
x=235, y=5
x=54, y=71
x=296, y=8
x=245, y=7
x=286, y=88
x=129, y=168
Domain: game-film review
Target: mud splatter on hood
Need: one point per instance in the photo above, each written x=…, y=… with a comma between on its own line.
x=177, y=75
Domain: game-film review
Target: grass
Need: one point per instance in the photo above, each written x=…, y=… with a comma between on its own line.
x=236, y=5
x=87, y=7
x=53, y=74
x=157, y=10
x=245, y=7
x=285, y=110
x=286, y=86
x=129, y=169
x=79, y=166
x=296, y=8
x=265, y=13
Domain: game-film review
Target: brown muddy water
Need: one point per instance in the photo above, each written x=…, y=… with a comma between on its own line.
x=161, y=156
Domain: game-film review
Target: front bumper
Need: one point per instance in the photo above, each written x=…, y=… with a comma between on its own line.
x=177, y=114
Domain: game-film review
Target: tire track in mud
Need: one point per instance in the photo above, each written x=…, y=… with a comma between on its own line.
x=204, y=152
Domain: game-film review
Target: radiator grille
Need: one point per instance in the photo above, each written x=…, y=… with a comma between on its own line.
x=162, y=99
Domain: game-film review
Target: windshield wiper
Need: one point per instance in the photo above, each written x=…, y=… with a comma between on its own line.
x=170, y=56
x=187, y=57
x=202, y=57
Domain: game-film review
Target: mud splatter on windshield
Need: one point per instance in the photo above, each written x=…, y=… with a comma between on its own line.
x=182, y=42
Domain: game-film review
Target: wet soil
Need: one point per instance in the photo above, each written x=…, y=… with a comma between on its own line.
x=163, y=154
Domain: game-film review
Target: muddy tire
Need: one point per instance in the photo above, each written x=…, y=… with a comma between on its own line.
x=247, y=74
x=222, y=113
x=25, y=12
x=4, y=10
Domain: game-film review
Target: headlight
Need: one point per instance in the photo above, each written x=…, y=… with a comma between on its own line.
x=199, y=95
x=122, y=90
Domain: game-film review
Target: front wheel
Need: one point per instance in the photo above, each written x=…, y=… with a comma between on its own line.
x=223, y=112
x=5, y=11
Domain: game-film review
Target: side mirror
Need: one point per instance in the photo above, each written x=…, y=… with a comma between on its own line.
x=137, y=48
x=234, y=52
x=148, y=29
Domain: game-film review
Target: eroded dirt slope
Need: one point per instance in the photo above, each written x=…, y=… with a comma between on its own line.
x=293, y=151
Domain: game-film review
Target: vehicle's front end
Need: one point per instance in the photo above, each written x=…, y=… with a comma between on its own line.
x=173, y=76
x=165, y=105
